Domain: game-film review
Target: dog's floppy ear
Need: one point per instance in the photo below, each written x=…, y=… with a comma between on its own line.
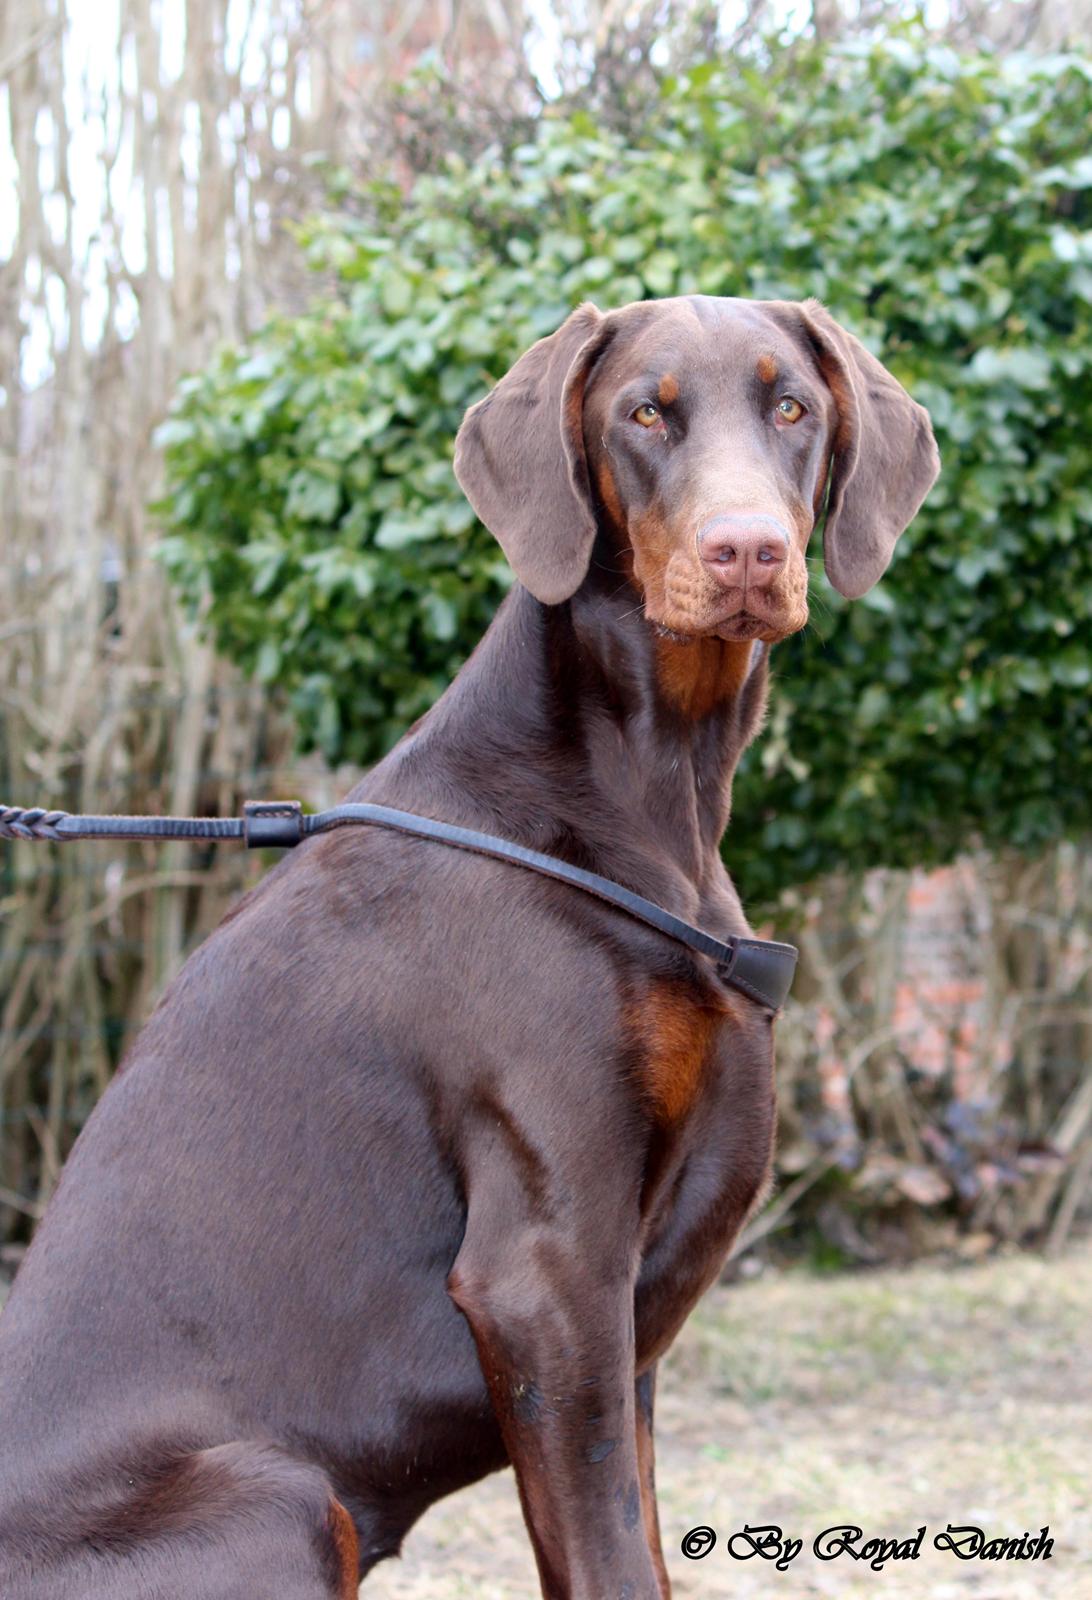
x=885, y=458
x=519, y=457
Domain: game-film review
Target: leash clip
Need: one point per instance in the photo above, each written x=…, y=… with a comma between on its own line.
x=272, y=824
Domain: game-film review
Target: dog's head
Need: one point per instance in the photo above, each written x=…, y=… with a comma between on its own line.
x=701, y=436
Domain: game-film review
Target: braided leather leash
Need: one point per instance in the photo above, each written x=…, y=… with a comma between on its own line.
x=762, y=969
x=35, y=822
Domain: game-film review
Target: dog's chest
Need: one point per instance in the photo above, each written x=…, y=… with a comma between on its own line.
x=706, y=1075
x=675, y=1028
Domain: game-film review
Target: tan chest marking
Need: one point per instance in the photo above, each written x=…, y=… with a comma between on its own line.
x=673, y=1030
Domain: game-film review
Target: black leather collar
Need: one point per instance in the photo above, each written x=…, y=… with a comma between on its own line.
x=761, y=969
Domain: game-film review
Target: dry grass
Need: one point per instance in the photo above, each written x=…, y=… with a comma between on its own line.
x=922, y=1395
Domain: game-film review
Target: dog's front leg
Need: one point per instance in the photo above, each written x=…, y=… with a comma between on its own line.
x=552, y=1316
x=646, y=1461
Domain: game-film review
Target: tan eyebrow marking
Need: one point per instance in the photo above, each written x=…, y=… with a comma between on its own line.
x=766, y=368
x=669, y=389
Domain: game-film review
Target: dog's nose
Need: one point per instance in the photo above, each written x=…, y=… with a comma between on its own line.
x=744, y=552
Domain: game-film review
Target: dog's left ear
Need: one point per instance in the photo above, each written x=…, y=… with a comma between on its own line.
x=885, y=458
x=519, y=457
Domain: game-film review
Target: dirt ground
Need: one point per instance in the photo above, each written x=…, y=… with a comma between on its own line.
x=927, y=1395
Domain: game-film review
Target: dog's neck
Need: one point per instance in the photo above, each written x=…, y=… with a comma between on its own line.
x=578, y=730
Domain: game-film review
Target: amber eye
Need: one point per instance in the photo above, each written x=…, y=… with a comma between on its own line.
x=790, y=410
x=646, y=415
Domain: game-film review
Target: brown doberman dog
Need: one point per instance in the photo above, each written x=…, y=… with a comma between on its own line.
x=421, y=1163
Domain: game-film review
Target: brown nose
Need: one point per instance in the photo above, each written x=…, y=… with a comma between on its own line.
x=744, y=552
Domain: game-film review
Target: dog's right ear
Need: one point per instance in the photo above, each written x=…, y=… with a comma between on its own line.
x=519, y=457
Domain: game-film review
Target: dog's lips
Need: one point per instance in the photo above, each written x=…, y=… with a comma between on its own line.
x=741, y=625
x=737, y=628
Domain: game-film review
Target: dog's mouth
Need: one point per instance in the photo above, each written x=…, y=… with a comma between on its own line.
x=736, y=629
x=742, y=625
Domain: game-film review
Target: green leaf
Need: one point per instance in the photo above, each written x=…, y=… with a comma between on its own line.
x=442, y=617
x=312, y=498
x=1028, y=367
x=397, y=531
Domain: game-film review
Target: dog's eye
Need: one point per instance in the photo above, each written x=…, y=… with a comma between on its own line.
x=790, y=410
x=646, y=414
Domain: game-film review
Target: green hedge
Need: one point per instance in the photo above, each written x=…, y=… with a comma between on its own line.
x=941, y=206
